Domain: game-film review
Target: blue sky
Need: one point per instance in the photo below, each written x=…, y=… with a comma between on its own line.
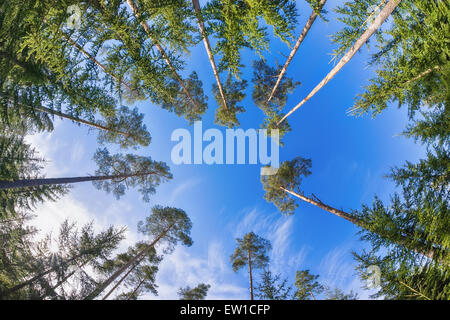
x=349, y=155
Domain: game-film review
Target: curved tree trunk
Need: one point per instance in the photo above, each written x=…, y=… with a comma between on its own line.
x=201, y=26
x=382, y=16
x=161, y=50
x=300, y=39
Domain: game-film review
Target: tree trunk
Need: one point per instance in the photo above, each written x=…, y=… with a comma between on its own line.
x=161, y=50
x=300, y=39
x=382, y=16
x=201, y=26
x=250, y=274
x=122, y=269
x=98, y=63
x=5, y=184
x=403, y=240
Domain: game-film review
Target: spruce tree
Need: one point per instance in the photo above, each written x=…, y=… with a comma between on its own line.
x=197, y=293
x=272, y=287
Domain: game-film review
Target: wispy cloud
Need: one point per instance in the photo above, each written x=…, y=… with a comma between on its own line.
x=181, y=188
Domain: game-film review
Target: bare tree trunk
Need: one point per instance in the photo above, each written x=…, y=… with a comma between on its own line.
x=250, y=274
x=300, y=39
x=161, y=50
x=382, y=16
x=122, y=269
x=201, y=26
x=5, y=184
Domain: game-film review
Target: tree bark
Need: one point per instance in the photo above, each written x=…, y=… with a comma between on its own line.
x=250, y=274
x=122, y=269
x=201, y=26
x=382, y=16
x=300, y=39
x=161, y=50
x=5, y=184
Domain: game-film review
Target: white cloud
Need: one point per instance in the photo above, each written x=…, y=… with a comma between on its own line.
x=181, y=269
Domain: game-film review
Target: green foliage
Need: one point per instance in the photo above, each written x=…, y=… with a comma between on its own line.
x=129, y=171
x=236, y=25
x=307, y=285
x=338, y=294
x=129, y=122
x=289, y=176
x=197, y=293
x=234, y=93
x=20, y=161
x=48, y=268
x=250, y=247
x=271, y=287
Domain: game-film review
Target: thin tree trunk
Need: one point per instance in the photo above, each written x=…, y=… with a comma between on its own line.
x=300, y=39
x=382, y=16
x=98, y=63
x=72, y=118
x=5, y=184
x=404, y=240
x=122, y=269
x=325, y=207
x=161, y=50
x=201, y=26
x=250, y=274
x=40, y=275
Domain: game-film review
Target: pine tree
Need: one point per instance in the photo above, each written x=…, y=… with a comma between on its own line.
x=307, y=285
x=167, y=225
x=197, y=293
x=251, y=251
x=271, y=287
x=140, y=277
x=387, y=225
